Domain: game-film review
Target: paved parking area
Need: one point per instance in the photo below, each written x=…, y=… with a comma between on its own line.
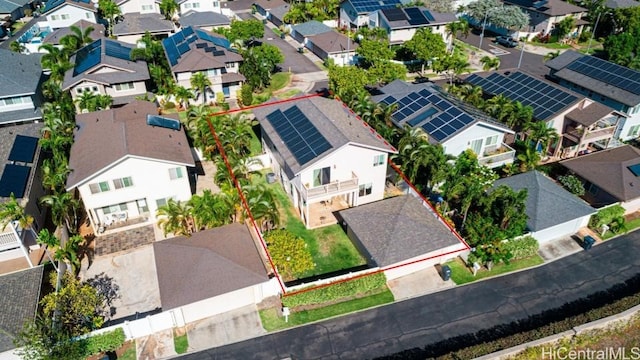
x=559, y=248
x=135, y=273
x=237, y=325
x=418, y=283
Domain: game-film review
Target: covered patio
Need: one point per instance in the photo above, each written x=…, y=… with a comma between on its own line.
x=322, y=213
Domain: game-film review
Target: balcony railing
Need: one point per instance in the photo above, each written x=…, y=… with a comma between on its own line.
x=503, y=155
x=578, y=135
x=332, y=188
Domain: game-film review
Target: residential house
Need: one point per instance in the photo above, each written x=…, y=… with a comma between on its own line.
x=335, y=46
x=583, y=125
x=613, y=85
x=128, y=161
x=355, y=13
x=105, y=67
x=263, y=7
x=134, y=25
x=225, y=258
x=402, y=23
x=14, y=10
x=208, y=20
x=193, y=50
x=20, y=93
x=325, y=156
x=64, y=13
x=402, y=230
x=276, y=14
x=198, y=5
x=300, y=32
x=447, y=121
x=19, y=303
x=552, y=211
x=609, y=177
x=138, y=6
x=545, y=14
x=55, y=36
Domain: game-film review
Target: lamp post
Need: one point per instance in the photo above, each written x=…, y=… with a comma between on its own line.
x=484, y=24
x=593, y=33
x=522, y=49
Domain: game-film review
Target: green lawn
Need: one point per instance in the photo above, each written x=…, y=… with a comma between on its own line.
x=288, y=94
x=180, y=343
x=631, y=225
x=330, y=247
x=460, y=274
x=129, y=354
x=276, y=31
x=555, y=46
x=279, y=81
x=271, y=321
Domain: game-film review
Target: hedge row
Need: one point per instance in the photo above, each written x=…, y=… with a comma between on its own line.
x=337, y=291
x=615, y=300
x=108, y=341
x=522, y=248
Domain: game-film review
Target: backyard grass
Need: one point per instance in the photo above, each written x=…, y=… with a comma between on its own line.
x=461, y=274
x=180, y=343
x=330, y=247
x=271, y=321
x=279, y=81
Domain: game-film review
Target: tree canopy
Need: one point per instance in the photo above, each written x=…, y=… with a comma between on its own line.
x=260, y=63
x=505, y=16
x=426, y=45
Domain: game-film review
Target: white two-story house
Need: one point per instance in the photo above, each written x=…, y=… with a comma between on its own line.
x=105, y=67
x=326, y=158
x=20, y=93
x=355, y=14
x=402, y=23
x=199, y=5
x=138, y=6
x=194, y=50
x=126, y=162
x=64, y=13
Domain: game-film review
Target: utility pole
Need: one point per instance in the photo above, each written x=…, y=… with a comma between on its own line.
x=484, y=24
x=593, y=32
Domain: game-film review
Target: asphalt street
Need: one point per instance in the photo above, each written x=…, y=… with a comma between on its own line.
x=462, y=310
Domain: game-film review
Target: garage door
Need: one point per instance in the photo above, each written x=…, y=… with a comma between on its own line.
x=562, y=230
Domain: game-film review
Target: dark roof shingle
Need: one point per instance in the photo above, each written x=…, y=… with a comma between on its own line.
x=21, y=73
x=137, y=23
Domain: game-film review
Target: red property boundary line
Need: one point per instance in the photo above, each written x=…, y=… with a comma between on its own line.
x=255, y=226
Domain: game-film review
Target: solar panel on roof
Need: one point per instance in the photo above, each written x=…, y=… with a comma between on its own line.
x=607, y=72
x=216, y=40
x=87, y=57
x=394, y=14
x=14, y=180
x=428, y=15
x=362, y=6
x=424, y=115
x=23, y=149
x=635, y=169
x=290, y=126
x=117, y=50
x=183, y=47
x=416, y=17
x=187, y=31
x=161, y=121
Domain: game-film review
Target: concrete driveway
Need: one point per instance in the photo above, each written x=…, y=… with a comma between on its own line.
x=135, y=273
x=237, y=325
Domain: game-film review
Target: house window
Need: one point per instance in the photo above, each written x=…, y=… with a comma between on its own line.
x=216, y=4
x=87, y=15
x=114, y=208
x=634, y=130
x=196, y=5
x=476, y=146
x=12, y=101
x=212, y=72
x=591, y=188
x=99, y=187
x=147, y=7
x=187, y=6
x=378, y=160
x=321, y=176
x=64, y=16
x=124, y=86
x=365, y=189
x=54, y=17
x=163, y=201
x=175, y=173
x=94, y=88
x=123, y=182
x=230, y=65
x=491, y=140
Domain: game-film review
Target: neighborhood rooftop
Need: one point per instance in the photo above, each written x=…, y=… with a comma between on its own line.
x=367, y=6
x=310, y=127
x=549, y=7
x=104, y=137
x=399, y=18
x=600, y=76
x=548, y=204
x=206, y=264
x=546, y=99
x=55, y=36
x=193, y=49
x=333, y=42
x=398, y=229
x=136, y=23
x=21, y=77
x=205, y=18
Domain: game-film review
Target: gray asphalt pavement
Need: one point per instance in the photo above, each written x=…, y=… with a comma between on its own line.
x=462, y=310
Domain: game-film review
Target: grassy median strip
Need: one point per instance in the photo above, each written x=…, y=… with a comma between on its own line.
x=460, y=274
x=271, y=321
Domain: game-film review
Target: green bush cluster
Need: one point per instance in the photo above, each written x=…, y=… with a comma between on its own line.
x=339, y=291
x=522, y=248
x=108, y=341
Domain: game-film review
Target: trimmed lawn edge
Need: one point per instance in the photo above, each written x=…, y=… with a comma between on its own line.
x=461, y=274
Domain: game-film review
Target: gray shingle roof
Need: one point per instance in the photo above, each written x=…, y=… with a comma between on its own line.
x=24, y=75
x=280, y=11
x=205, y=18
x=209, y=263
x=621, y=4
x=104, y=137
x=548, y=204
x=127, y=70
x=608, y=169
x=136, y=23
x=312, y=27
x=590, y=114
x=269, y=4
x=333, y=42
x=560, y=64
x=332, y=119
x=55, y=36
x=551, y=8
x=7, y=6
x=398, y=229
x=18, y=303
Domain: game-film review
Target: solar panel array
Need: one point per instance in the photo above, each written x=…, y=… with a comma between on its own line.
x=297, y=132
x=367, y=6
x=545, y=99
x=14, y=180
x=607, y=72
x=416, y=16
x=178, y=44
x=117, y=50
x=435, y=115
x=394, y=14
x=87, y=57
x=23, y=149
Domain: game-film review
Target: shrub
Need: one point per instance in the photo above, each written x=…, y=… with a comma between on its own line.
x=607, y=216
x=289, y=253
x=572, y=184
x=349, y=288
x=109, y=341
x=220, y=98
x=169, y=105
x=584, y=36
x=246, y=94
x=522, y=248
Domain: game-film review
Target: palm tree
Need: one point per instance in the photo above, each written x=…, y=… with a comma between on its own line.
x=263, y=205
x=87, y=101
x=175, y=217
x=498, y=107
x=489, y=62
x=200, y=83
x=168, y=8
x=161, y=78
x=54, y=174
x=542, y=135
x=209, y=210
x=461, y=26
x=528, y=159
x=55, y=60
x=551, y=55
x=182, y=95
x=18, y=47
x=11, y=211
x=110, y=11
x=519, y=116
x=77, y=39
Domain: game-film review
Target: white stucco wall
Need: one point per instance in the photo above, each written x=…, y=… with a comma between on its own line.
x=136, y=6
x=425, y=261
x=72, y=13
x=631, y=206
x=632, y=120
x=139, y=88
x=561, y=230
x=462, y=141
x=200, y=6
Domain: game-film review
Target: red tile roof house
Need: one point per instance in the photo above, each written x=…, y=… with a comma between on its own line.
x=126, y=162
